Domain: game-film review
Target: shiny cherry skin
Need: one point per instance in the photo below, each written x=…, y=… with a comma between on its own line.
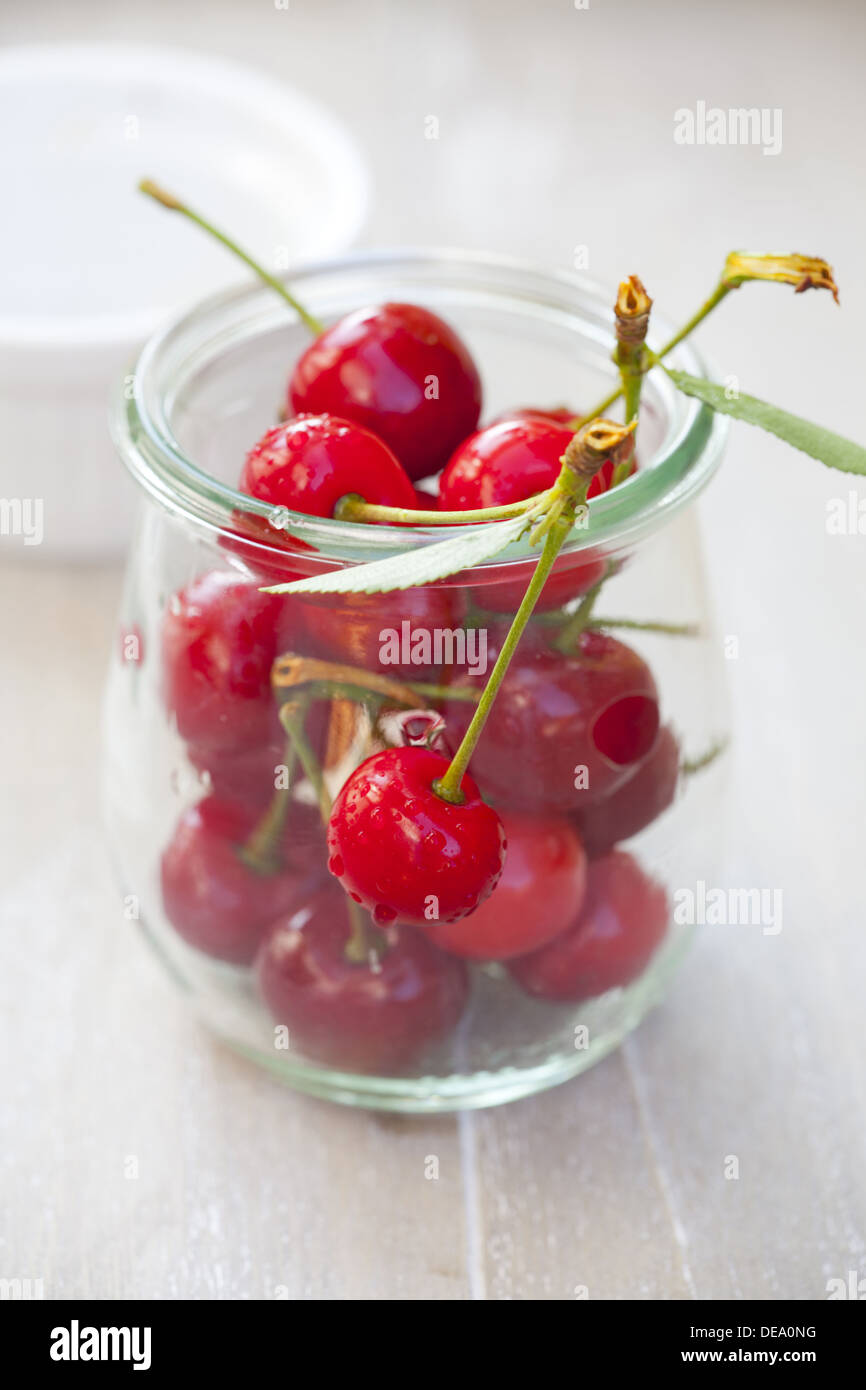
x=215, y=900
x=361, y=1017
x=629, y=809
x=623, y=921
x=219, y=640
x=562, y=415
x=402, y=851
x=400, y=371
x=504, y=463
x=367, y=629
x=538, y=896
x=553, y=715
x=308, y=463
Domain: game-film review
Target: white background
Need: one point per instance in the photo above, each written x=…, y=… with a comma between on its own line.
x=556, y=131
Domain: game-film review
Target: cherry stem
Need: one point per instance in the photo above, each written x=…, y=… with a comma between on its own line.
x=652, y=359
x=635, y=625
x=364, y=942
x=292, y=720
x=448, y=786
x=352, y=507
x=689, y=766
x=568, y=638
x=338, y=680
x=261, y=852
x=168, y=200
x=632, y=315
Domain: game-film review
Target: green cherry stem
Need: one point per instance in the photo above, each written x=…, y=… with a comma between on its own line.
x=591, y=445
x=352, y=507
x=448, y=786
x=567, y=639
x=168, y=200
x=292, y=720
x=635, y=625
x=261, y=852
x=365, y=943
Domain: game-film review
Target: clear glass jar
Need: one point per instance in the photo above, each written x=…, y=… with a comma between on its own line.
x=189, y=779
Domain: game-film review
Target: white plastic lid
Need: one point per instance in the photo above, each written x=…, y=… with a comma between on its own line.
x=87, y=260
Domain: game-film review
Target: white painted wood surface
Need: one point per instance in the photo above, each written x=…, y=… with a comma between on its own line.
x=615, y=1183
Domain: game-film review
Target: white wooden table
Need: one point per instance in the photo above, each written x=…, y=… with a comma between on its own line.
x=137, y=1157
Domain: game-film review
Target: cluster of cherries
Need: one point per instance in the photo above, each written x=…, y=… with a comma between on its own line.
x=530, y=873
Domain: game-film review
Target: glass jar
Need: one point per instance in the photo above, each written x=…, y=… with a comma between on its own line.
x=225, y=866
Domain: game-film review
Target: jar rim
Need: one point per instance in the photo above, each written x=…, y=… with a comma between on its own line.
x=141, y=426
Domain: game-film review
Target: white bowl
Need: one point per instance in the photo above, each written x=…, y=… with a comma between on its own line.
x=89, y=267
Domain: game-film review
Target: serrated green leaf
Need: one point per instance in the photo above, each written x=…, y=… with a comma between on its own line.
x=414, y=567
x=829, y=448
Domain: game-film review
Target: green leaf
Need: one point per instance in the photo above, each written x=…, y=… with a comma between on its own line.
x=829, y=448
x=414, y=567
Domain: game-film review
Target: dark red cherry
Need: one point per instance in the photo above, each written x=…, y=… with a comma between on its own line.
x=220, y=637
x=636, y=804
x=623, y=920
x=403, y=852
x=400, y=371
x=249, y=773
x=559, y=721
x=211, y=896
x=539, y=894
x=375, y=1017
x=307, y=464
x=409, y=635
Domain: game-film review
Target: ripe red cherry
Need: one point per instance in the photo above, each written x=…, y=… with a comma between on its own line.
x=539, y=894
x=220, y=637
x=624, y=918
x=215, y=900
x=367, y=629
x=596, y=709
x=562, y=415
x=361, y=1017
x=636, y=804
x=402, y=851
x=400, y=371
x=309, y=463
x=508, y=462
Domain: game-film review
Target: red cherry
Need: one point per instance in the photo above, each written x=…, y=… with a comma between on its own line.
x=219, y=641
x=504, y=463
x=637, y=803
x=212, y=898
x=308, y=464
x=562, y=415
x=539, y=894
x=508, y=462
x=400, y=371
x=554, y=715
x=624, y=917
x=370, y=1018
x=367, y=629
x=404, y=852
